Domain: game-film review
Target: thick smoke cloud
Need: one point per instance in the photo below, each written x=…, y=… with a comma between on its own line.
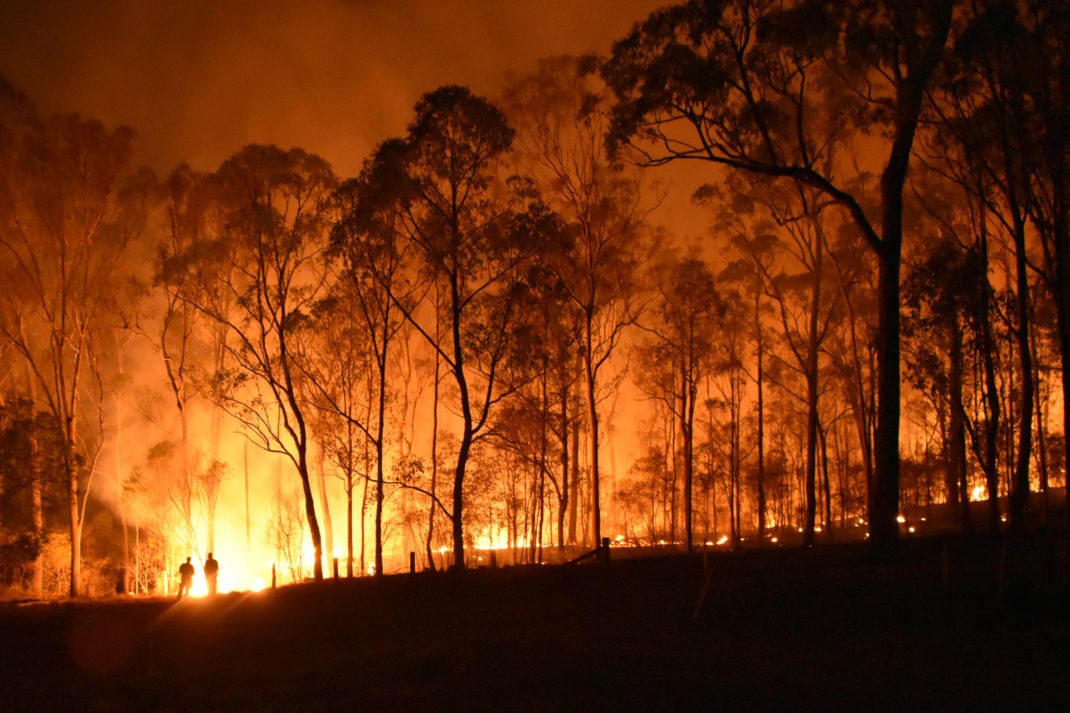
x=199, y=78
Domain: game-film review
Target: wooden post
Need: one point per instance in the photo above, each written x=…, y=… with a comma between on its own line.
x=604, y=555
x=336, y=568
x=412, y=563
x=272, y=575
x=493, y=559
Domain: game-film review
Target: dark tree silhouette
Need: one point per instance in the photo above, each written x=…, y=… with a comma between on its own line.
x=766, y=87
x=470, y=234
x=266, y=257
x=65, y=202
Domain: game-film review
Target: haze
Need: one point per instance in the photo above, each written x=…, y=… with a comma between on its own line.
x=199, y=79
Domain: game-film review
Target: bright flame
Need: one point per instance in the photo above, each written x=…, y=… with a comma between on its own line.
x=498, y=542
x=199, y=588
x=900, y=519
x=979, y=493
x=724, y=539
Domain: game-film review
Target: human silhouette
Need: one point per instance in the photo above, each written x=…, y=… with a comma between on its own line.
x=211, y=574
x=185, y=573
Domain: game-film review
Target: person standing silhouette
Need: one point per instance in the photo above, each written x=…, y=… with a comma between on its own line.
x=211, y=574
x=185, y=573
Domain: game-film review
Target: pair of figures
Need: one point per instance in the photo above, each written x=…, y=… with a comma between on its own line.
x=186, y=572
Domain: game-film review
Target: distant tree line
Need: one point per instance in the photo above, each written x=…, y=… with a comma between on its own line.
x=876, y=323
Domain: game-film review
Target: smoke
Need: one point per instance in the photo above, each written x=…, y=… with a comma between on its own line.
x=198, y=79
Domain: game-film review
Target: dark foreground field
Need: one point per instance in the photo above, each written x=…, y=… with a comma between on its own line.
x=778, y=630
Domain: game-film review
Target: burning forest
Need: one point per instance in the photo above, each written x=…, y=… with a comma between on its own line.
x=755, y=274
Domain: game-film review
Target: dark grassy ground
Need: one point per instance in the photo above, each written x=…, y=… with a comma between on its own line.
x=827, y=629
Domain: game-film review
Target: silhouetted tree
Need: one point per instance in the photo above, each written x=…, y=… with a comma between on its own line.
x=753, y=85
x=687, y=311
x=470, y=235
x=563, y=126
x=944, y=309
x=371, y=244
x=65, y=191
x=268, y=251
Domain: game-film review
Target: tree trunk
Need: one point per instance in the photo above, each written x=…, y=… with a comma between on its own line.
x=38, y=518
x=989, y=354
x=822, y=438
x=1039, y=407
x=71, y=467
x=1019, y=494
x=574, y=496
x=458, y=497
x=687, y=424
x=592, y=418
x=434, y=468
x=884, y=495
x=811, y=451
x=328, y=529
x=379, y=463
x=761, y=418
x=957, y=473
x=310, y=512
x=563, y=499
x=910, y=94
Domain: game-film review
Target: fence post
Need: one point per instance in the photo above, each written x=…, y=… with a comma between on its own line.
x=412, y=563
x=604, y=554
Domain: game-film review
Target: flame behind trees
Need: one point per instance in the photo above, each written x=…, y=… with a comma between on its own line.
x=67, y=195
x=763, y=87
x=259, y=273
x=562, y=114
x=470, y=235
x=687, y=313
x=291, y=304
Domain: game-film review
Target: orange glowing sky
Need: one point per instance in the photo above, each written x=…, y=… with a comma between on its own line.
x=200, y=78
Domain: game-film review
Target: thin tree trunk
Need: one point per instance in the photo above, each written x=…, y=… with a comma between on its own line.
x=563, y=499
x=687, y=422
x=328, y=529
x=1039, y=404
x=72, y=503
x=957, y=479
x=38, y=518
x=825, y=478
x=379, y=435
x=574, y=498
x=761, y=418
x=1019, y=495
x=592, y=419
x=434, y=468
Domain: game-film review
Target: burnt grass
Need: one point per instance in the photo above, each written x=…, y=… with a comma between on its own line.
x=832, y=629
